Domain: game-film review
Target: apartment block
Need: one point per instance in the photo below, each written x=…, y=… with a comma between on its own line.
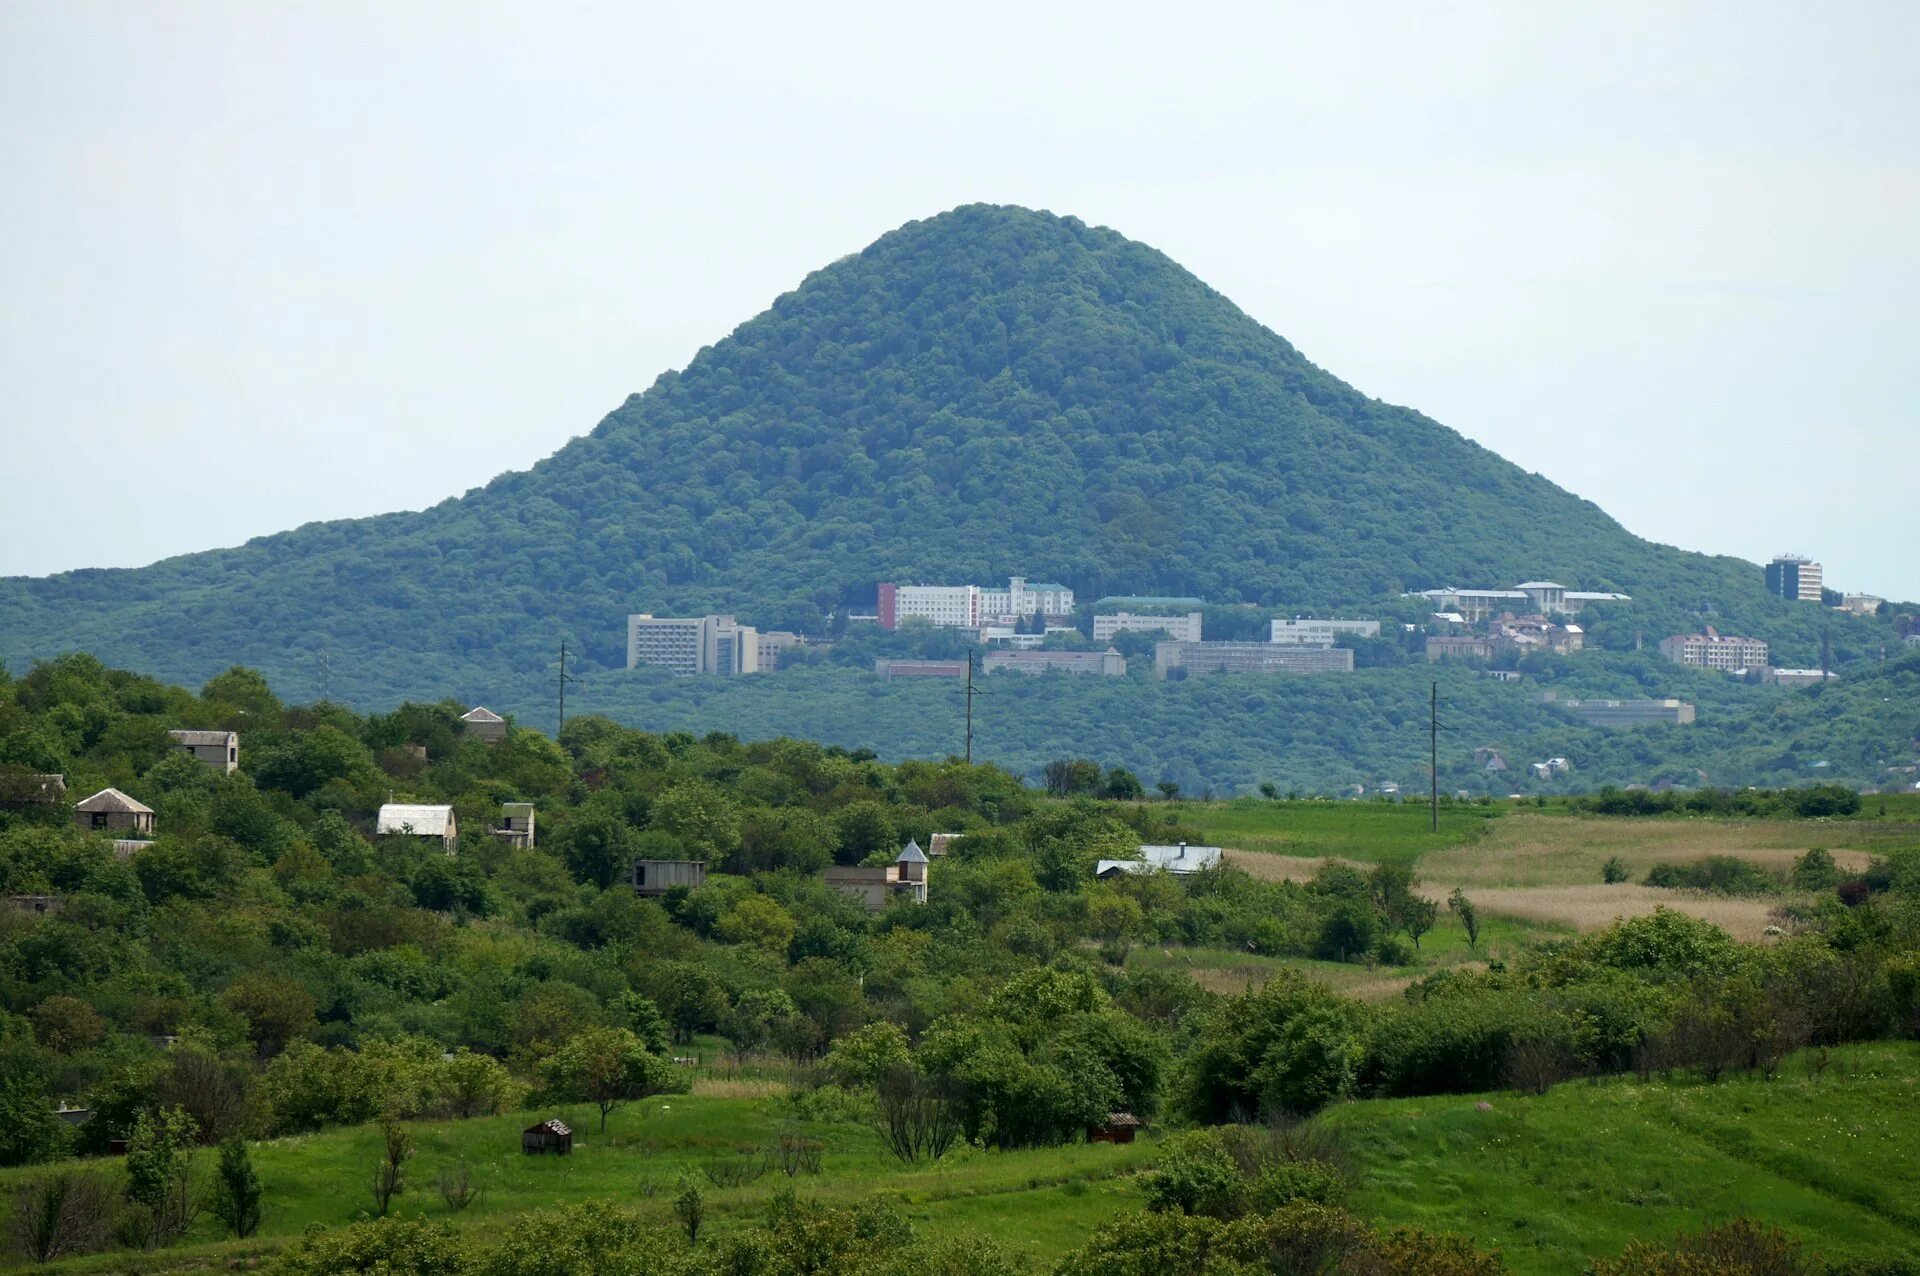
x=1300, y=631
x=1630, y=713
x=1108, y=663
x=1178, y=628
x=1793, y=577
x=772, y=643
x=1248, y=657
x=689, y=645
x=970, y=606
x=1458, y=647
x=1713, y=650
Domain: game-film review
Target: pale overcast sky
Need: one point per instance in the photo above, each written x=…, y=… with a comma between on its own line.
x=265, y=263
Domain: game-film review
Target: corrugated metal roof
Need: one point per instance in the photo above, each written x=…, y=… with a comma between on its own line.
x=480, y=713
x=421, y=821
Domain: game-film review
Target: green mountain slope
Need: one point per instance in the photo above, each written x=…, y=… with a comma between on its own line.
x=987, y=392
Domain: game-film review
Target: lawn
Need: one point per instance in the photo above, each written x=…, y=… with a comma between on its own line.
x=1834, y=1159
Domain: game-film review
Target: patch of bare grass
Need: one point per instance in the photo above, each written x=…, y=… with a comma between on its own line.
x=1530, y=850
x=1269, y=867
x=740, y=1087
x=1594, y=905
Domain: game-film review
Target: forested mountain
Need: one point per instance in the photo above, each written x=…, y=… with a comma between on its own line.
x=987, y=392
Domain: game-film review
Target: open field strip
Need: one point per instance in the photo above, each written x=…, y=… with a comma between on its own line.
x=1531, y=849
x=1591, y=1165
x=1594, y=906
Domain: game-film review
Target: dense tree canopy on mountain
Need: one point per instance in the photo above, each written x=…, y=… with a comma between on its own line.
x=987, y=392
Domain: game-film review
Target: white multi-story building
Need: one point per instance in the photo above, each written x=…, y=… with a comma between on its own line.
x=1303, y=632
x=1715, y=651
x=1021, y=599
x=948, y=606
x=693, y=644
x=1795, y=578
x=1178, y=628
x=971, y=606
x=1542, y=597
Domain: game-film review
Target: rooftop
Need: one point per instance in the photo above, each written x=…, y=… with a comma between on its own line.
x=112, y=800
x=419, y=820
x=202, y=739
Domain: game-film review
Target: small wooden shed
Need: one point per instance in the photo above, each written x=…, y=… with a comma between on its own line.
x=552, y=1135
x=1119, y=1127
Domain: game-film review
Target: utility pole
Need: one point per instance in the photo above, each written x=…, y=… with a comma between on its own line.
x=565, y=678
x=1433, y=751
x=326, y=672
x=970, y=695
x=1826, y=650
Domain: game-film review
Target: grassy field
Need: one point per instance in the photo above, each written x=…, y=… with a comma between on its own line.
x=1366, y=832
x=1591, y=1165
x=1038, y=1203
x=1834, y=1159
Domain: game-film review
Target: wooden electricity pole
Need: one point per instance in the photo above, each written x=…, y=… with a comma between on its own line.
x=565, y=678
x=971, y=693
x=1433, y=752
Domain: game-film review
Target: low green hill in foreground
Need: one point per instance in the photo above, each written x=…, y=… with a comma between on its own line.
x=1824, y=1150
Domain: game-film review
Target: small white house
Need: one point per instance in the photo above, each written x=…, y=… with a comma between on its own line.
x=1179, y=860
x=408, y=819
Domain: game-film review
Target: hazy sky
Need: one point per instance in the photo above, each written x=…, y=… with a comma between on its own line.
x=265, y=263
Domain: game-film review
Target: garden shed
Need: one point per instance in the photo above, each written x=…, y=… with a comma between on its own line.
x=1119, y=1127
x=552, y=1135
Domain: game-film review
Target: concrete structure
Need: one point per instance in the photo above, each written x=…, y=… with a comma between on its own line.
x=1713, y=650
x=422, y=820
x=940, y=843
x=1526, y=635
x=1797, y=677
x=484, y=724
x=1164, y=601
x=110, y=810
x=1793, y=577
x=1178, y=628
x=21, y=790
x=37, y=905
x=1861, y=604
x=1629, y=713
x=1008, y=636
x=1109, y=662
x=772, y=643
x=1180, y=860
x=1301, y=631
x=1021, y=599
x=1248, y=657
x=1549, y=769
x=657, y=877
x=1543, y=596
x=217, y=749
x=874, y=887
x=690, y=645
x=920, y=668
x=1458, y=647
x=516, y=824
x=970, y=606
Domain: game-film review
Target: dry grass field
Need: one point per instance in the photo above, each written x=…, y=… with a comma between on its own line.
x=1592, y=906
x=1269, y=867
x=1528, y=850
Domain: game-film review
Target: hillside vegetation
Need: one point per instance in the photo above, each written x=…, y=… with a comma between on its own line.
x=268, y=968
x=989, y=391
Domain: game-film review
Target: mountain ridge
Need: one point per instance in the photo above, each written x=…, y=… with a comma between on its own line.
x=985, y=392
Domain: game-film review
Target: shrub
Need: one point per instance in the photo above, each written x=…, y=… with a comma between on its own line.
x=1195, y=1174
x=1286, y=1182
x=1614, y=871
x=1815, y=871
x=1739, y=1248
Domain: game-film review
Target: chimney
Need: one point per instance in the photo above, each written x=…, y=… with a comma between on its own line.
x=1183, y=851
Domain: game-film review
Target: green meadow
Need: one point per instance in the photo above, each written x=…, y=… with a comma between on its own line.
x=1830, y=1153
